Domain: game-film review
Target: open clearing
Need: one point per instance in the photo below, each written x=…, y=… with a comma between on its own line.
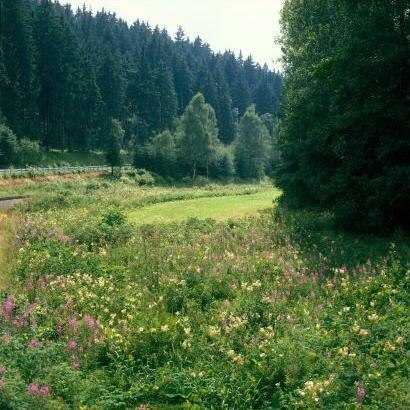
x=218, y=208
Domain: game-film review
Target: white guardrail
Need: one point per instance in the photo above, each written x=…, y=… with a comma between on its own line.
x=55, y=170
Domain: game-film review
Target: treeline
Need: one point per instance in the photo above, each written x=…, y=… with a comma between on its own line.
x=195, y=147
x=65, y=75
x=345, y=134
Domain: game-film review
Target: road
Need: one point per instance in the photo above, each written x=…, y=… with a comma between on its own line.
x=57, y=170
x=6, y=202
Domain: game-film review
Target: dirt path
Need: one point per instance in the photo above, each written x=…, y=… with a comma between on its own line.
x=6, y=224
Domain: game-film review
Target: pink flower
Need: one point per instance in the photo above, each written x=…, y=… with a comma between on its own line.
x=72, y=345
x=44, y=390
x=5, y=337
x=30, y=284
x=32, y=343
x=361, y=394
x=59, y=329
x=89, y=321
x=33, y=388
x=2, y=371
x=2, y=384
x=9, y=306
x=76, y=366
x=73, y=325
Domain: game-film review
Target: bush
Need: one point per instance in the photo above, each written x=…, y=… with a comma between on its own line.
x=8, y=147
x=144, y=178
x=29, y=153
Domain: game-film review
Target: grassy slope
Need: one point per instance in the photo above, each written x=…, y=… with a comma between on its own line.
x=221, y=208
x=55, y=158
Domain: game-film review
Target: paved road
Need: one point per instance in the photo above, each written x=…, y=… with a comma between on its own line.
x=57, y=170
x=4, y=203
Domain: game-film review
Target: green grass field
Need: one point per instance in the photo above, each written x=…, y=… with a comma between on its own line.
x=219, y=208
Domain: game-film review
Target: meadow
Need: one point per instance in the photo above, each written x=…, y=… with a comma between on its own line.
x=121, y=296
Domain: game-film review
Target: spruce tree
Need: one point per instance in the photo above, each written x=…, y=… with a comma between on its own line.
x=114, y=142
x=242, y=94
x=19, y=93
x=49, y=44
x=167, y=98
x=224, y=110
x=183, y=81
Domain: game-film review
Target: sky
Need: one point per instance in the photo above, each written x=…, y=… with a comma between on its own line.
x=247, y=25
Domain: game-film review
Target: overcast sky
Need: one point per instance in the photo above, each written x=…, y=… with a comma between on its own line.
x=247, y=25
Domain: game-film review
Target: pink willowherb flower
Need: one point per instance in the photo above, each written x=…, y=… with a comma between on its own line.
x=72, y=345
x=8, y=306
x=32, y=343
x=44, y=390
x=59, y=330
x=33, y=388
x=30, y=285
x=361, y=394
x=89, y=321
x=76, y=366
x=2, y=384
x=73, y=325
x=5, y=337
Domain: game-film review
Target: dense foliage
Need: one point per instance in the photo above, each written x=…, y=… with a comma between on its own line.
x=345, y=137
x=17, y=152
x=65, y=74
x=274, y=311
x=196, y=149
x=253, y=146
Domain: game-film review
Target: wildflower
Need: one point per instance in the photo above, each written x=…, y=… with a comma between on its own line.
x=59, y=329
x=187, y=330
x=2, y=371
x=2, y=384
x=73, y=325
x=214, y=331
x=5, y=337
x=373, y=317
x=76, y=366
x=186, y=344
x=33, y=388
x=89, y=321
x=361, y=394
x=363, y=332
x=356, y=328
x=344, y=351
x=72, y=345
x=400, y=340
x=165, y=328
x=32, y=343
x=44, y=390
x=9, y=306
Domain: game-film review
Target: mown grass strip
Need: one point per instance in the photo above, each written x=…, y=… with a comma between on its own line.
x=218, y=208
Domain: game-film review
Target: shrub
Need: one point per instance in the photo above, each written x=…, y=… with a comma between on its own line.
x=144, y=178
x=29, y=152
x=8, y=147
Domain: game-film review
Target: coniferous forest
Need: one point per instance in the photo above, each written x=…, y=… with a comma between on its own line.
x=66, y=74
